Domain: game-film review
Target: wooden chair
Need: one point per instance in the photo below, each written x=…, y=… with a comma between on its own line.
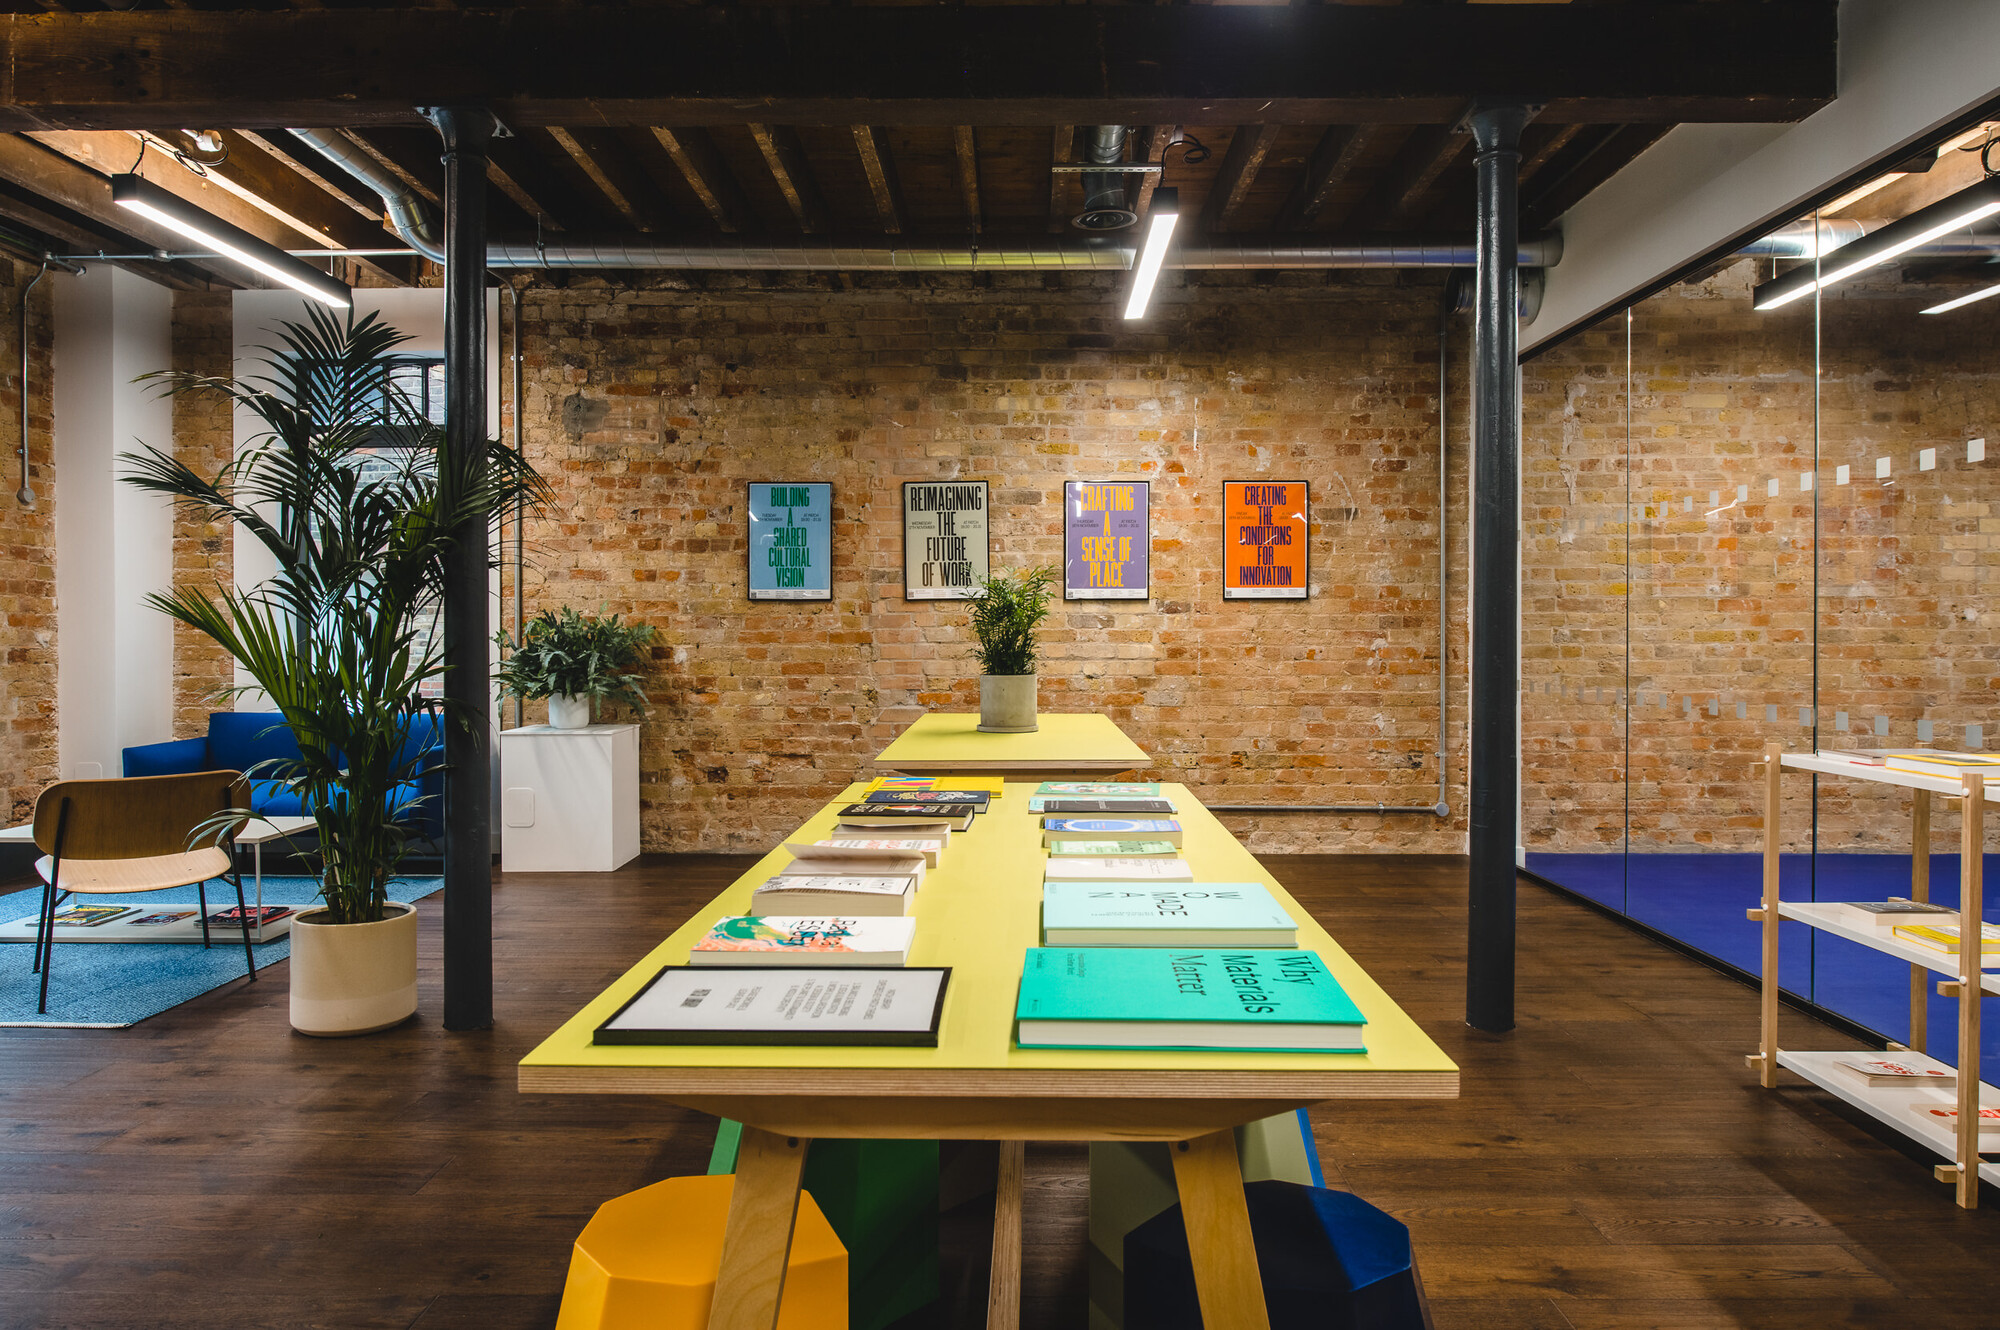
x=106, y=837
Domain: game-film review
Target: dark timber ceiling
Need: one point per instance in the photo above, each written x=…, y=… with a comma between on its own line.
x=939, y=121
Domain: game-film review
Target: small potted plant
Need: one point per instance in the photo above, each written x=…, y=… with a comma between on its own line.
x=575, y=661
x=1006, y=610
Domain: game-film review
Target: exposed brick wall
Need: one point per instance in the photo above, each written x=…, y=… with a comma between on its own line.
x=649, y=408
x=204, y=439
x=28, y=752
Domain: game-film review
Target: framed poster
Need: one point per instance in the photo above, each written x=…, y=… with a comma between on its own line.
x=946, y=548
x=1265, y=552
x=1107, y=539
x=791, y=541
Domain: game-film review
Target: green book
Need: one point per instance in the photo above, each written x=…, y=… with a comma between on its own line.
x=1110, y=849
x=1169, y=997
x=1098, y=789
x=1200, y=914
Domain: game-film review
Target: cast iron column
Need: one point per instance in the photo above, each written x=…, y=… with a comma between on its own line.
x=1496, y=516
x=468, y=780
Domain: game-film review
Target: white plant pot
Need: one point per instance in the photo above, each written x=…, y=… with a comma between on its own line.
x=353, y=978
x=1007, y=703
x=569, y=713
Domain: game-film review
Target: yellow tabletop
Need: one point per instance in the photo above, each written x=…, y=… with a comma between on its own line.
x=978, y=912
x=1067, y=741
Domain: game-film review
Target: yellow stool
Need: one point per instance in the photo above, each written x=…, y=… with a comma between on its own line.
x=649, y=1259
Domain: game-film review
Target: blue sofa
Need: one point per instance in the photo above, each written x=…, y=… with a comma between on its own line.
x=239, y=740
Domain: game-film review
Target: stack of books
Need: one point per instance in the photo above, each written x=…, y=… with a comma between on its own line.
x=843, y=880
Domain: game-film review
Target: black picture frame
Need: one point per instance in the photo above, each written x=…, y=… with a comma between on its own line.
x=1101, y=593
x=776, y=595
x=980, y=572
x=605, y=1036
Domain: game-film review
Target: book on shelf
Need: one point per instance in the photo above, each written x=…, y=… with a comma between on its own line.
x=162, y=918
x=1894, y=1071
x=1867, y=757
x=870, y=896
x=1949, y=766
x=234, y=918
x=899, y=815
x=1946, y=1116
x=877, y=863
x=1945, y=937
x=1107, y=807
x=720, y=1004
x=1204, y=914
x=1099, y=849
x=1172, y=997
x=90, y=916
x=973, y=799
x=1115, y=868
x=806, y=940
x=1895, y=910
x=864, y=847
x=1057, y=830
x=1099, y=789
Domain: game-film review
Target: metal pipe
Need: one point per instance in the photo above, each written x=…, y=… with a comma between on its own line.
x=1104, y=205
x=1494, y=776
x=1446, y=303
x=468, y=792
x=25, y=496
x=520, y=503
x=408, y=216
x=1804, y=240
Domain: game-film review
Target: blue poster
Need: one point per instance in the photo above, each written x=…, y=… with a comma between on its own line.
x=791, y=541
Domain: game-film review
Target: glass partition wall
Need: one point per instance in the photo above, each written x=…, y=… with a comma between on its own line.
x=1743, y=526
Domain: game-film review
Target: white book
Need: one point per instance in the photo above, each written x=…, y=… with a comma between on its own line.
x=930, y=830
x=872, y=896
x=1117, y=870
x=778, y=939
x=878, y=864
x=860, y=847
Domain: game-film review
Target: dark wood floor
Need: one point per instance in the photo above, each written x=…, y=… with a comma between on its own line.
x=1610, y=1164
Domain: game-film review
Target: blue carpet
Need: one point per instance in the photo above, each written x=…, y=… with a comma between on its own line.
x=1700, y=899
x=115, y=984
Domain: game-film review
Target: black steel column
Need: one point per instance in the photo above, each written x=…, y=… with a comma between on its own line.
x=468, y=794
x=1496, y=517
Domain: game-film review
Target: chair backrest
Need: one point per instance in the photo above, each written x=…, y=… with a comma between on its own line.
x=136, y=817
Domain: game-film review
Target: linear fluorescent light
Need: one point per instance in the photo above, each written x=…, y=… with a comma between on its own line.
x=1898, y=237
x=1960, y=303
x=178, y=215
x=1160, y=221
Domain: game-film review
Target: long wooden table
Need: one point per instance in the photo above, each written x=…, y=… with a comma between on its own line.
x=979, y=912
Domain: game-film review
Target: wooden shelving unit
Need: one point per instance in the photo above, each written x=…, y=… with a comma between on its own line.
x=1966, y=979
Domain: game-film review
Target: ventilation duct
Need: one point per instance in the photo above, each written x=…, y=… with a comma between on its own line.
x=1104, y=201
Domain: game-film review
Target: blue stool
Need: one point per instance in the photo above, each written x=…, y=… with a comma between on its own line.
x=1328, y=1260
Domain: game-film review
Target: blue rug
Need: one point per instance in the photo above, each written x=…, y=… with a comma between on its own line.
x=111, y=985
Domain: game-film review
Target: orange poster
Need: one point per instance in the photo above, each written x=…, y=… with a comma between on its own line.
x=1264, y=528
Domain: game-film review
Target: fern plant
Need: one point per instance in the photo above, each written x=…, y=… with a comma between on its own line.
x=1006, y=610
x=562, y=653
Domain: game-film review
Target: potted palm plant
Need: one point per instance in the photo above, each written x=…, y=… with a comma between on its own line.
x=576, y=661
x=1006, y=610
x=353, y=495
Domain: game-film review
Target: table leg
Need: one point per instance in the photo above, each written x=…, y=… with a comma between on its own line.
x=1971, y=902
x=757, y=1242
x=257, y=858
x=1767, y=1042
x=1226, y=1279
x=1003, y=1287
x=1920, y=890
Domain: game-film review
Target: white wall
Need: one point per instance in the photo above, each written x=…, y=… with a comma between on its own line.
x=114, y=543
x=1908, y=68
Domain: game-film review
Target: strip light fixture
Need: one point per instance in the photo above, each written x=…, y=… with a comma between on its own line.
x=1160, y=222
x=1960, y=303
x=1901, y=236
x=233, y=242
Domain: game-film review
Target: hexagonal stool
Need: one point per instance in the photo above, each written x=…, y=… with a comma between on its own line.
x=649, y=1259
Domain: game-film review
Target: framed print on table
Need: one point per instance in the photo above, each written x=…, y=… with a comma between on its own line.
x=947, y=548
x=791, y=541
x=1265, y=551
x=1107, y=539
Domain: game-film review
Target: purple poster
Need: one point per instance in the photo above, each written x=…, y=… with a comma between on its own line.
x=1106, y=539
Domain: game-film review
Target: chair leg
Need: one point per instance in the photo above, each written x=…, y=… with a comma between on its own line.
x=48, y=947
x=243, y=915
x=42, y=927
x=201, y=895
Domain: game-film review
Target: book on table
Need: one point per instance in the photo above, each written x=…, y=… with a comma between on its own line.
x=1101, y=849
x=1099, y=789
x=1895, y=910
x=162, y=918
x=1946, y=1116
x=954, y=816
x=1202, y=914
x=1945, y=937
x=1105, y=807
x=876, y=863
x=1899, y=1071
x=854, y=1006
x=234, y=918
x=973, y=799
x=871, y=896
x=1950, y=766
x=1057, y=830
x=810, y=940
x=868, y=847
x=1117, y=869
x=90, y=916
x=1279, y=1001
x=994, y=786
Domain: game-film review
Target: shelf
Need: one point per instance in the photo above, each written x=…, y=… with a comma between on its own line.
x=1828, y=765
x=1891, y=1104
x=1831, y=918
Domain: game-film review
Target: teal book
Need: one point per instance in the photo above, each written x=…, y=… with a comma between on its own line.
x=1171, y=997
x=1181, y=914
x=1098, y=789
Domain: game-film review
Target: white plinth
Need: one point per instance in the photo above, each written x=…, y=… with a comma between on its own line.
x=569, y=799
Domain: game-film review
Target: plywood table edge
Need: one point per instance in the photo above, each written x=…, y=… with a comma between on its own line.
x=878, y=1082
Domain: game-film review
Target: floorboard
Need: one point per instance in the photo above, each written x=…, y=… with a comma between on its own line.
x=1610, y=1165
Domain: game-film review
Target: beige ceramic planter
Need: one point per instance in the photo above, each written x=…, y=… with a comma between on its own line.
x=1007, y=703
x=353, y=978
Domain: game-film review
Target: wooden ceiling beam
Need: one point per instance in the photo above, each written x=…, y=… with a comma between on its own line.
x=879, y=165
x=1612, y=155
x=695, y=156
x=1399, y=194
x=1248, y=147
x=1062, y=147
x=599, y=154
x=1554, y=139
x=965, y=151
x=396, y=158
x=338, y=185
x=786, y=157
x=1332, y=162
x=1152, y=148
x=1625, y=60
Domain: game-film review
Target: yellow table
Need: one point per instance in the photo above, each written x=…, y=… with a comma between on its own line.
x=979, y=912
x=1069, y=744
